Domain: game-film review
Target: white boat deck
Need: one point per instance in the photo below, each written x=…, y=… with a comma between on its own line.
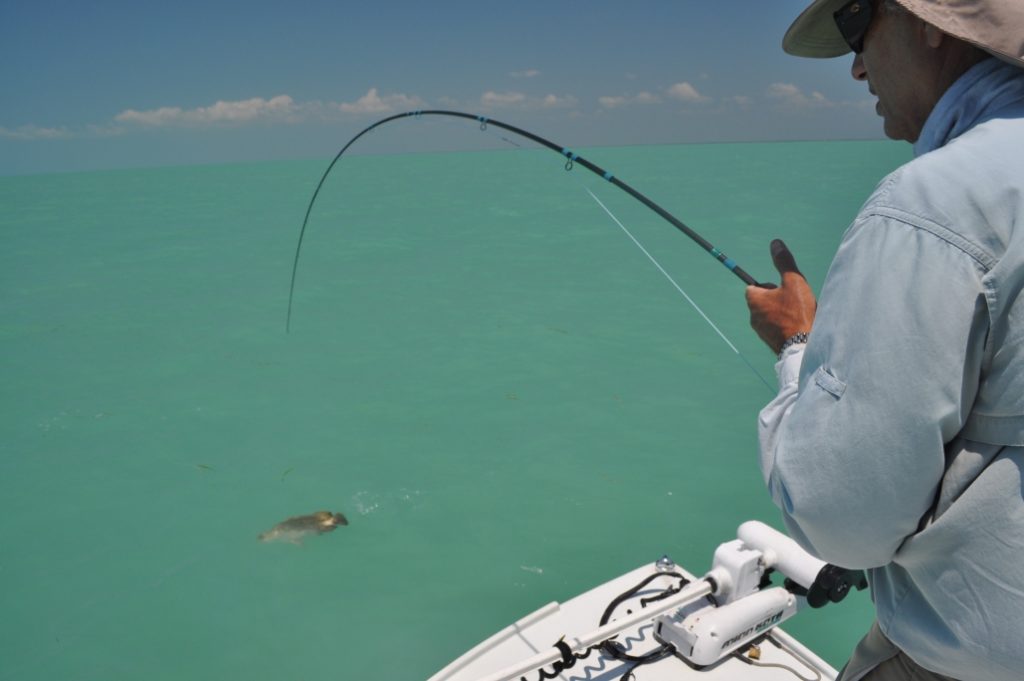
x=781, y=658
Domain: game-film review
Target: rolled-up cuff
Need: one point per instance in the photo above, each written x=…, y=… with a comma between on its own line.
x=787, y=369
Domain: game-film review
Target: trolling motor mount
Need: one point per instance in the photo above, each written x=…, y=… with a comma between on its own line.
x=747, y=605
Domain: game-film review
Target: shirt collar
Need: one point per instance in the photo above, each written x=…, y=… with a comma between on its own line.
x=975, y=97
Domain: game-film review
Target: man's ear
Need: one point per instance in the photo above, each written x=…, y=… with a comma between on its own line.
x=933, y=36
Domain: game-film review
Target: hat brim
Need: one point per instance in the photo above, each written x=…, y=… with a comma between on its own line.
x=815, y=34
x=994, y=27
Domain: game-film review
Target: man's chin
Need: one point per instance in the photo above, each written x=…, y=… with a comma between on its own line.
x=894, y=132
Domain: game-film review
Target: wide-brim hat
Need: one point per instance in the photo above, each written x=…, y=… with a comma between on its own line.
x=996, y=26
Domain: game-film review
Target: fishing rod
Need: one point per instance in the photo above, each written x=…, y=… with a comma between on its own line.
x=573, y=158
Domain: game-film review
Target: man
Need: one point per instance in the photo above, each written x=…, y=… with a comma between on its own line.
x=896, y=442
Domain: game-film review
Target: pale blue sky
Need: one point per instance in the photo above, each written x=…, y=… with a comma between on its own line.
x=110, y=84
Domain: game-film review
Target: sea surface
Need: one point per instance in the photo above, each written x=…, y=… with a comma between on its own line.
x=507, y=399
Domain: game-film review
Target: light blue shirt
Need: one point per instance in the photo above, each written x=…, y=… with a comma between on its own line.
x=896, y=442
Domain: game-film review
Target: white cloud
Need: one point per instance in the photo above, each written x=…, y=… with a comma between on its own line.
x=373, y=103
x=683, y=92
x=610, y=102
x=107, y=130
x=502, y=99
x=741, y=101
x=613, y=102
x=686, y=93
x=34, y=132
x=222, y=112
x=783, y=90
x=281, y=109
x=556, y=102
x=520, y=100
x=528, y=73
x=791, y=95
x=166, y=115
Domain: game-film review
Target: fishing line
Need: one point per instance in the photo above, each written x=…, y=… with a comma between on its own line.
x=680, y=289
x=573, y=159
x=661, y=269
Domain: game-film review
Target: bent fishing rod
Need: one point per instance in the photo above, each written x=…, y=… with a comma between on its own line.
x=573, y=159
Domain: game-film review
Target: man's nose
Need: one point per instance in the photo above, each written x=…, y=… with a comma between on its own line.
x=857, y=69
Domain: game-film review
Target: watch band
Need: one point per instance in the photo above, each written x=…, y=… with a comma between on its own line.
x=795, y=339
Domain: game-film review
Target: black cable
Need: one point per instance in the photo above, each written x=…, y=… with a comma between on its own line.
x=610, y=647
x=617, y=651
x=618, y=600
x=663, y=652
x=568, y=660
x=614, y=649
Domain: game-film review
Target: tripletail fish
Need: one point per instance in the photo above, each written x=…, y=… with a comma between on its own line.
x=294, y=529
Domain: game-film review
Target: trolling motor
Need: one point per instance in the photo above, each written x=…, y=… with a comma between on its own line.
x=746, y=604
x=741, y=604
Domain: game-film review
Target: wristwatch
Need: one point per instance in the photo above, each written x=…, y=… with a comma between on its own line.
x=793, y=340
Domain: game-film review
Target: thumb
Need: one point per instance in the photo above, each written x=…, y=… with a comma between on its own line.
x=783, y=259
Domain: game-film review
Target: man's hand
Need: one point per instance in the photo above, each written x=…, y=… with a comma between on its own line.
x=780, y=312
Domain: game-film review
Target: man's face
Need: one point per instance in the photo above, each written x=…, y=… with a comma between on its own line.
x=894, y=64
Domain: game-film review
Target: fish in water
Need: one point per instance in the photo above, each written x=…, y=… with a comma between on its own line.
x=294, y=529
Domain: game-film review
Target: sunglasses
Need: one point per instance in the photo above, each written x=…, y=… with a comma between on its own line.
x=853, y=20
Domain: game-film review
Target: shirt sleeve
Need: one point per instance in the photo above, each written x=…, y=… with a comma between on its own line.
x=852, y=448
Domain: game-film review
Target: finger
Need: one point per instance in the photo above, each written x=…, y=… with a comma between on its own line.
x=783, y=259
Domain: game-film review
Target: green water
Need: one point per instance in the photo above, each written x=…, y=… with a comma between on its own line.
x=507, y=400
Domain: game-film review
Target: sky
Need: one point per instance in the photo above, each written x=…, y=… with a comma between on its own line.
x=104, y=84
